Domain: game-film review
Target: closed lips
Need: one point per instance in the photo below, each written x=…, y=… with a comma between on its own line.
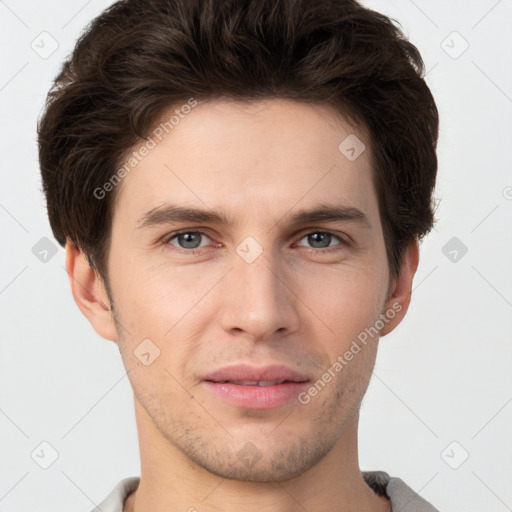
x=253, y=382
x=247, y=375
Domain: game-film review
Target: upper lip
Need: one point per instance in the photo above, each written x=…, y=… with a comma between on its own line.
x=246, y=372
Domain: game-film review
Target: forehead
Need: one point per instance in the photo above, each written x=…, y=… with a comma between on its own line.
x=257, y=159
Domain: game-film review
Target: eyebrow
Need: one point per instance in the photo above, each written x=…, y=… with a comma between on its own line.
x=169, y=213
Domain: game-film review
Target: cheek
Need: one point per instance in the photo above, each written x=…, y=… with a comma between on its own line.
x=170, y=308
x=347, y=299
x=150, y=301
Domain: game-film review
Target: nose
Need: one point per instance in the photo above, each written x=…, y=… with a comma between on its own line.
x=259, y=300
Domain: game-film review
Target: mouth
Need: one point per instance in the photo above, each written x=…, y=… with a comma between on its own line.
x=254, y=382
x=248, y=375
x=250, y=387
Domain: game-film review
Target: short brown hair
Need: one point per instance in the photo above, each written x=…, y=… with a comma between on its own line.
x=141, y=57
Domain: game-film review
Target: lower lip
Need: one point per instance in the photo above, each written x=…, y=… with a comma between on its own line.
x=257, y=397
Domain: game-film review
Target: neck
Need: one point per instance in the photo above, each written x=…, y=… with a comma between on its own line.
x=171, y=481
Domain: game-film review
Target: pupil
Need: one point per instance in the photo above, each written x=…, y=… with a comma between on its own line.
x=188, y=239
x=317, y=237
x=189, y=242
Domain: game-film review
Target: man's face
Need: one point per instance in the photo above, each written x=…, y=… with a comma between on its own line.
x=260, y=291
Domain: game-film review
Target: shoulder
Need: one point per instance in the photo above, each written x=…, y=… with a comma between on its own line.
x=402, y=497
x=115, y=500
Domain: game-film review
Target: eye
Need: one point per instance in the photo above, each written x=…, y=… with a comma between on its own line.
x=187, y=240
x=322, y=240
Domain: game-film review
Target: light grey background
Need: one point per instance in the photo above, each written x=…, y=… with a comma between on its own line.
x=442, y=386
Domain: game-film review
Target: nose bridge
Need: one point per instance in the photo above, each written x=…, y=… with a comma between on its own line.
x=257, y=298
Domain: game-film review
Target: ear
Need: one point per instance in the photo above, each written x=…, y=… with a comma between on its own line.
x=400, y=290
x=89, y=293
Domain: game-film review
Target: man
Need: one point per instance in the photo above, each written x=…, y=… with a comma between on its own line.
x=241, y=187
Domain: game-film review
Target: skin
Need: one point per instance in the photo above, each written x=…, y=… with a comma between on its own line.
x=295, y=305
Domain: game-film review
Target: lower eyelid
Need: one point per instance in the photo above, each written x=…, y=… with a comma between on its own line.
x=341, y=240
x=167, y=240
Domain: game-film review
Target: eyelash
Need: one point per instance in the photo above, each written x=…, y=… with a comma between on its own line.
x=343, y=242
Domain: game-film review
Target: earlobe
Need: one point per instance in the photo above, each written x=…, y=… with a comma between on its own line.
x=89, y=293
x=400, y=297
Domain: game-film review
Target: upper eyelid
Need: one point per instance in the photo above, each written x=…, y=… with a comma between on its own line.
x=303, y=233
